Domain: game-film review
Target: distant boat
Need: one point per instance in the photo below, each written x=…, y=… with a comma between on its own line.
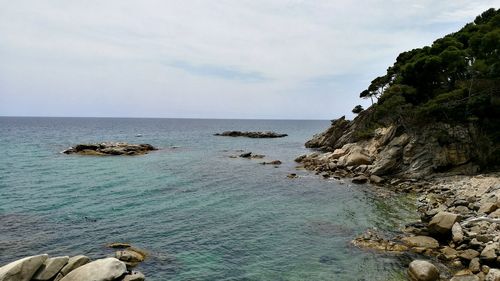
x=138, y=135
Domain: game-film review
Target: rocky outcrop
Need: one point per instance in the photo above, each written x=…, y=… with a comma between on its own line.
x=398, y=151
x=78, y=268
x=256, y=135
x=23, y=269
x=110, y=148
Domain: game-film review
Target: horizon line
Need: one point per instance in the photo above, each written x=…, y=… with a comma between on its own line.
x=192, y=118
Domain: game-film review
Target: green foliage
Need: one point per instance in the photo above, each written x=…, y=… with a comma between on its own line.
x=357, y=109
x=455, y=80
x=442, y=81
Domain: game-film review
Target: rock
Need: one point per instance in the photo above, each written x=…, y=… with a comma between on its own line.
x=246, y=155
x=359, y=179
x=420, y=270
x=100, y=270
x=267, y=134
x=488, y=252
x=258, y=156
x=465, y=278
x=356, y=159
x=493, y=275
x=474, y=265
x=376, y=179
x=337, y=153
x=457, y=233
x=50, y=268
x=421, y=241
x=468, y=254
x=73, y=263
x=118, y=245
x=23, y=269
x=442, y=223
x=449, y=253
x=130, y=256
x=134, y=276
x=274, y=162
x=488, y=207
x=292, y=176
x=110, y=148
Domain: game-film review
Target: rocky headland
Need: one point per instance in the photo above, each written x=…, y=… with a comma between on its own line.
x=256, y=135
x=459, y=208
x=76, y=268
x=110, y=148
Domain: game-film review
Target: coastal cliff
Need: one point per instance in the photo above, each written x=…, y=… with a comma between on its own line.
x=396, y=151
x=437, y=110
x=434, y=132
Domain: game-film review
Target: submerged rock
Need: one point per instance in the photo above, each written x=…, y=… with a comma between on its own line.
x=110, y=148
x=259, y=135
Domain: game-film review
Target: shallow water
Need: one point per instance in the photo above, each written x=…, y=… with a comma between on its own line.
x=201, y=214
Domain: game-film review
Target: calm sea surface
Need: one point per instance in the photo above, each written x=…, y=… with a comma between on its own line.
x=199, y=213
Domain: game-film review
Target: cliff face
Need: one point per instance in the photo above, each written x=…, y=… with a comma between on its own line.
x=395, y=151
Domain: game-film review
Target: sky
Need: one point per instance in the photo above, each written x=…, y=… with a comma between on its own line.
x=255, y=59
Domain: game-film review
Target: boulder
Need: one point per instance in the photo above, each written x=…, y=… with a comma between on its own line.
x=468, y=254
x=134, y=276
x=421, y=241
x=442, y=223
x=129, y=256
x=357, y=158
x=359, y=179
x=23, y=269
x=465, y=278
x=457, y=233
x=489, y=250
x=493, y=275
x=50, y=268
x=337, y=153
x=246, y=155
x=73, y=263
x=474, y=265
x=100, y=270
x=420, y=270
x=488, y=207
x=376, y=179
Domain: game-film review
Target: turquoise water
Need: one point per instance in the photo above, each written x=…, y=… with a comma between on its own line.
x=199, y=213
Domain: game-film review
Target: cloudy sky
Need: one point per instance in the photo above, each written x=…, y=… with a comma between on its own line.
x=286, y=59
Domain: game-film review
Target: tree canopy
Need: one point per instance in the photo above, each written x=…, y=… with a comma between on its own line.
x=455, y=80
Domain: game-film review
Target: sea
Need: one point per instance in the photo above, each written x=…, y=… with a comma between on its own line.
x=200, y=213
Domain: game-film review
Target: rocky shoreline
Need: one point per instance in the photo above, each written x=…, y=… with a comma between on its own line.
x=77, y=268
x=460, y=214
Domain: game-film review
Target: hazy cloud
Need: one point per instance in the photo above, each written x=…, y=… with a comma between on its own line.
x=234, y=59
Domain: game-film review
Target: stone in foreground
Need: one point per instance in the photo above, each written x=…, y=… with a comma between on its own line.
x=256, y=135
x=110, y=148
x=23, y=269
x=100, y=270
x=420, y=270
x=442, y=223
x=50, y=268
